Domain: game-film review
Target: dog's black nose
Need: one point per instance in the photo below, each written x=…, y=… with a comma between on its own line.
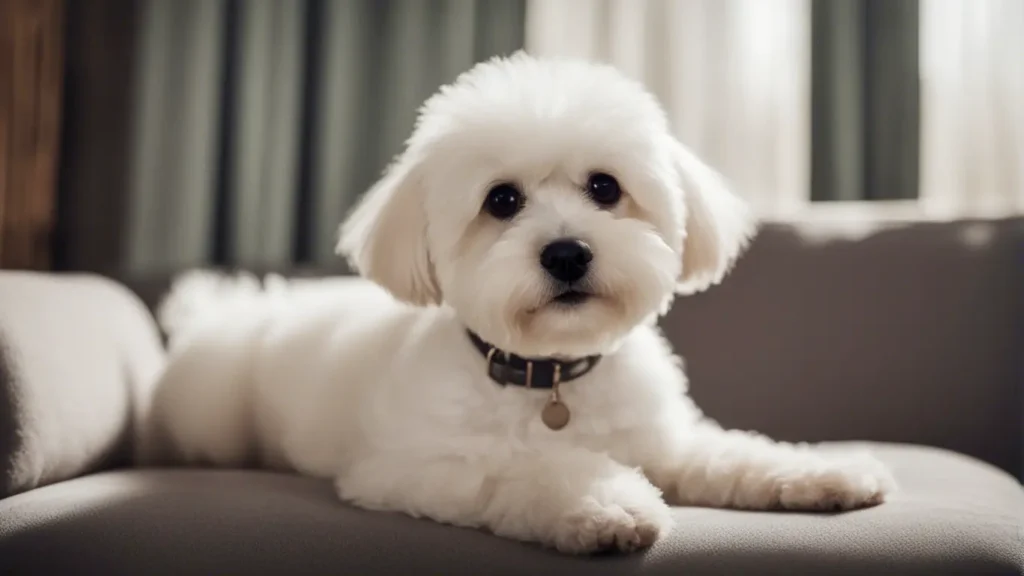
x=566, y=259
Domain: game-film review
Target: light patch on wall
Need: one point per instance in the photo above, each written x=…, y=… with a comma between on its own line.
x=977, y=235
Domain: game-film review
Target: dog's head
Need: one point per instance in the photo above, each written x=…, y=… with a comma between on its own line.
x=547, y=202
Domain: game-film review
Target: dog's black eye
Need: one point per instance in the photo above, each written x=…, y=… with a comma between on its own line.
x=503, y=201
x=604, y=189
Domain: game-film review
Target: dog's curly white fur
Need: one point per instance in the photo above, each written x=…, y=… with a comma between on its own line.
x=375, y=384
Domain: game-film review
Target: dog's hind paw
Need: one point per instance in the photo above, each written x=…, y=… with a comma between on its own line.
x=596, y=527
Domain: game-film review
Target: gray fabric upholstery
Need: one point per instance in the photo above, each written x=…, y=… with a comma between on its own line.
x=903, y=332
x=955, y=515
x=76, y=354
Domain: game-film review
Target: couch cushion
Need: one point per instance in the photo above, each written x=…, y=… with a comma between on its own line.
x=865, y=330
x=77, y=353
x=954, y=515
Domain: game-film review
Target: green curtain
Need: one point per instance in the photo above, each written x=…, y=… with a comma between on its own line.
x=865, y=102
x=247, y=127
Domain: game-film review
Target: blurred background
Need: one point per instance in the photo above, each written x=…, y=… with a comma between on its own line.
x=144, y=136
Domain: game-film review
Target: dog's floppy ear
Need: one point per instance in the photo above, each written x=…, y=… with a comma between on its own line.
x=717, y=225
x=385, y=236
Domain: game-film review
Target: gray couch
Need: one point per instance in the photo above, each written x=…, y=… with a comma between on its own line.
x=905, y=337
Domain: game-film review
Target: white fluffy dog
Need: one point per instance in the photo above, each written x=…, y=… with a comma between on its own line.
x=501, y=367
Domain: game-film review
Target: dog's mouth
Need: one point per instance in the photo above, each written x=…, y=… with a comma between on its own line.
x=572, y=297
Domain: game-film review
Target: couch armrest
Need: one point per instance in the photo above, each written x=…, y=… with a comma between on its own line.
x=908, y=332
x=78, y=355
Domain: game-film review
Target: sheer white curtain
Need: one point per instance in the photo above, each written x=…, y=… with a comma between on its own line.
x=734, y=76
x=972, y=106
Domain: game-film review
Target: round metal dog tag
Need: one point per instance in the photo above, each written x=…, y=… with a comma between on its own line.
x=555, y=415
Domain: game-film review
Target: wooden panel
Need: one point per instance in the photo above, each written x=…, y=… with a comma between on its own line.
x=31, y=62
x=100, y=83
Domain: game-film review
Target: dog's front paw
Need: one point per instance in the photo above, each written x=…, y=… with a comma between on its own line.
x=595, y=527
x=844, y=484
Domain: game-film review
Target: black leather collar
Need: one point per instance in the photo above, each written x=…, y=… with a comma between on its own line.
x=541, y=373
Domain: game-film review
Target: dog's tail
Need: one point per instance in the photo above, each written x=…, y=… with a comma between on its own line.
x=203, y=298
